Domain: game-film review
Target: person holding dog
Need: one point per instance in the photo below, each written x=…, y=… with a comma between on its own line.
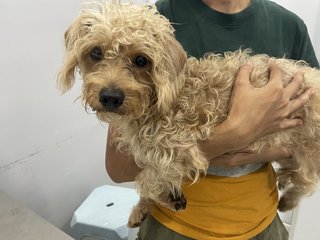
x=232, y=202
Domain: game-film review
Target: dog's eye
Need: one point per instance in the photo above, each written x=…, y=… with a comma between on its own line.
x=96, y=54
x=141, y=61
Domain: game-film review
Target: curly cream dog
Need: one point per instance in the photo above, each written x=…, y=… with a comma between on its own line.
x=138, y=78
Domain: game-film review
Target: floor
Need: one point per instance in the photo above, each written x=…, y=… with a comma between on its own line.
x=18, y=222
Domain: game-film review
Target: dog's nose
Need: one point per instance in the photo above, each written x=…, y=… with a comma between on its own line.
x=111, y=98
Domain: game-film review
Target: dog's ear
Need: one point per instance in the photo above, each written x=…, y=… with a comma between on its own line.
x=66, y=76
x=166, y=73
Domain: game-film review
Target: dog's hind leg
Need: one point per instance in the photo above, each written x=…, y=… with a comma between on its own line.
x=300, y=179
x=298, y=188
x=290, y=199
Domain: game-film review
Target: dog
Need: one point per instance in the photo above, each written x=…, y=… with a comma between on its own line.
x=161, y=103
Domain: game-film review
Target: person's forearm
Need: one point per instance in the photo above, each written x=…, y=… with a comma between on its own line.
x=120, y=167
x=227, y=137
x=245, y=156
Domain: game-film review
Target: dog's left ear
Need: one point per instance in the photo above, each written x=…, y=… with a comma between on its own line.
x=166, y=73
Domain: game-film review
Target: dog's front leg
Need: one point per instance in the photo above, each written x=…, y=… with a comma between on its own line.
x=160, y=187
x=140, y=212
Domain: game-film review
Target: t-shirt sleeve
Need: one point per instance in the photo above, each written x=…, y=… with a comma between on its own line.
x=164, y=7
x=306, y=50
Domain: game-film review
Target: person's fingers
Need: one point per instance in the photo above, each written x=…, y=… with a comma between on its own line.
x=243, y=75
x=294, y=85
x=290, y=123
x=275, y=74
x=299, y=102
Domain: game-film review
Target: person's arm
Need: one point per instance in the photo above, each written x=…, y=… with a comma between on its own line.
x=120, y=167
x=244, y=156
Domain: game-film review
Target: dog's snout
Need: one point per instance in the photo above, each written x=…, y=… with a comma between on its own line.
x=111, y=98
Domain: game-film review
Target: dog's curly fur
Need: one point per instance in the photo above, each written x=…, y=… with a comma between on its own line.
x=170, y=102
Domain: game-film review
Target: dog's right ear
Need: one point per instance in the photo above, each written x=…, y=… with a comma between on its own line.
x=66, y=76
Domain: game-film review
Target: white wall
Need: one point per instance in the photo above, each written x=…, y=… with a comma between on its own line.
x=51, y=151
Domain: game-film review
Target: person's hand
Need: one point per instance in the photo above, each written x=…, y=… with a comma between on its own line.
x=245, y=156
x=259, y=111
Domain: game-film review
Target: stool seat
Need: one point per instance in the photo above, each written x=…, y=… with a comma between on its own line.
x=104, y=214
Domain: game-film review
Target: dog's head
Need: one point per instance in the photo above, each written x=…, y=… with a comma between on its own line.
x=128, y=58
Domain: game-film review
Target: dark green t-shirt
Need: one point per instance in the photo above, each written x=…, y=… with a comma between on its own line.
x=264, y=27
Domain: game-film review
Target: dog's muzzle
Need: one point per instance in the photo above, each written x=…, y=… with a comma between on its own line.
x=111, y=98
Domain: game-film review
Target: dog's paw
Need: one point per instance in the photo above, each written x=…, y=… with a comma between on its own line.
x=178, y=201
x=286, y=204
x=136, y=218
x=283, y=184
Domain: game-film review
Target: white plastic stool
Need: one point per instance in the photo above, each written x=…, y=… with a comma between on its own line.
x=104, y=214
